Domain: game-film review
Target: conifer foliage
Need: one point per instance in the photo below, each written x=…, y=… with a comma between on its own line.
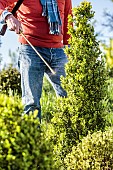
x=85, y=82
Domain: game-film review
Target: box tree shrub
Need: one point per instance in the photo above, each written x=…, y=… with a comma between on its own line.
x=23, y=145
x=95, y=152
x=85, y=82
x=10, y=81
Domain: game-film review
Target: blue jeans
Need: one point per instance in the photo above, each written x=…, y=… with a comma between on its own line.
x=32, y=70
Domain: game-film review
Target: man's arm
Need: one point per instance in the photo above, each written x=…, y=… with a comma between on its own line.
x=68, y=10
x=6, y=17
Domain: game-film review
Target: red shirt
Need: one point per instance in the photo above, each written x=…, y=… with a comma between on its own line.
x=36, y=27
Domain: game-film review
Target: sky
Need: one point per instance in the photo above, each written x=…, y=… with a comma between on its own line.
x=10, y=40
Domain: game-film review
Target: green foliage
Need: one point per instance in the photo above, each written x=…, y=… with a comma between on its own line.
x=83, y=110
x=47, y=100
x=95, y=152
x=47, y=105
x=10, y=81
x=109, y=56
x=109, y=116
x=23, y=145
x=47, y=87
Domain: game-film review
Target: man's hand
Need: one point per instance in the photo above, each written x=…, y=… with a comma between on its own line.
x=13, y=24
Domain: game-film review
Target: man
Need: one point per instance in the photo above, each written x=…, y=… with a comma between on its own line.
x=44, y=23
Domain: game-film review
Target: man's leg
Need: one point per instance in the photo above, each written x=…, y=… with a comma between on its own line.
x=32, y=72
x=58, y=61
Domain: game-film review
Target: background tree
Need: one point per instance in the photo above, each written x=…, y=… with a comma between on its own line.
x=109, y=19
x=14, y=58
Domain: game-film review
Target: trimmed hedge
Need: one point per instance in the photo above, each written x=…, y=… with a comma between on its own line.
x=23, y=145
x=95, y=152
